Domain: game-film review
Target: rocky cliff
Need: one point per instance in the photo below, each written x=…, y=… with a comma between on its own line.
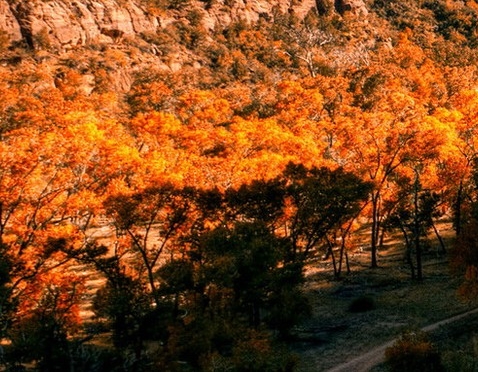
x=68, y=23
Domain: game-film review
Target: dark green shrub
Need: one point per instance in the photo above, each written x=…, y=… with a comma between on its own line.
x=362, y=304
x=42, y=39
x=41, y=339
x=256, y=352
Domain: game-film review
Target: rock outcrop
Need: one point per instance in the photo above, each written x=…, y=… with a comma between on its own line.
x=8, y=22
x=67, y=23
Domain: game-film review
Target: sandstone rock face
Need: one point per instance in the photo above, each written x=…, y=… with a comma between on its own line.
x=67, y=23
x=251, y=10
x=8, y=22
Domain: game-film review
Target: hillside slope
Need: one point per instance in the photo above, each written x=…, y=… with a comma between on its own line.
x=295, y=38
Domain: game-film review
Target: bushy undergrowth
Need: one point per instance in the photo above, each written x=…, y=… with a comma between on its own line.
x=413, y=352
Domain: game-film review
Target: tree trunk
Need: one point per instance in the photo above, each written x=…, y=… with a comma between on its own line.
x=343, y=250
x=347, y=262
x=440, y=239
x=375, y=228
x=331, y=253
x=410, y=263
x=254, y=314
x=457, y=209
x=416, y=228
x=341, y=254
x=408, y=251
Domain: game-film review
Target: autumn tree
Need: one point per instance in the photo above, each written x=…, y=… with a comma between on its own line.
x=150, y=92
x=462, y=156
x=149, y=222
x=147, y=270
x=414, y=214
x=196, y=252
x=126, y=303
x=304, y=41
x=320, y=201
x=245, y=260
x=47, y=323
x=58, y=158
x=387, y=127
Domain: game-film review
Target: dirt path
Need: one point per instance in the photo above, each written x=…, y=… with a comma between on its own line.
x=367, y=361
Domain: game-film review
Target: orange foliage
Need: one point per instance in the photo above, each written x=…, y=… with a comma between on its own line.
x=63, y=152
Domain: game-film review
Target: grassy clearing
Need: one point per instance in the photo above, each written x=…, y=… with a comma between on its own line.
x=334, y=334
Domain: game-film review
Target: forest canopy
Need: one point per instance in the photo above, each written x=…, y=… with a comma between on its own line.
x=198, y=194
